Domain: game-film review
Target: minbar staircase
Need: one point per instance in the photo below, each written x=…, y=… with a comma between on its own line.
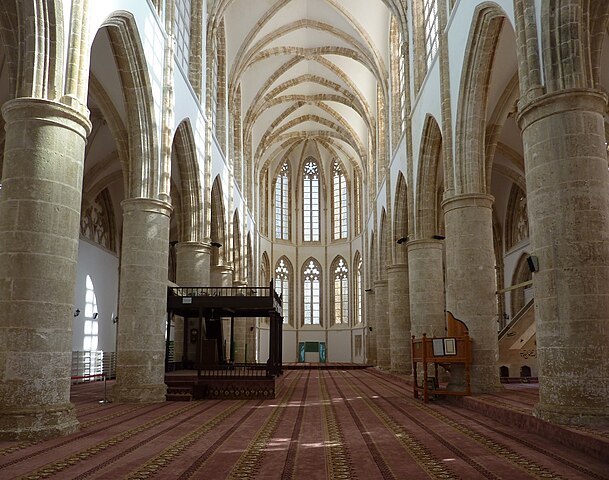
x=180, y=388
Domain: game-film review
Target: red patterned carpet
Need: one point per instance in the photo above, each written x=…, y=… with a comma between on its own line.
x=334, y=424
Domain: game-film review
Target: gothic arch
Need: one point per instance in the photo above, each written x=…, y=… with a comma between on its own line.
x=400, y=225
x=237, y=252
x=34, y=48
x=427, y=206
x=522, y=273
x=470, y=166
x=265, y=270
x=144, y=167
x=218, y=225
x=384, y=250
x=191, y=228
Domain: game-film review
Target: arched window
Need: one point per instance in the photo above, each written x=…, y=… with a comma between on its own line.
x=339, y=204
x=430, y=23
x=341, y=291
x=358, y=289
x=282, y=204
x=312, y=300
x=283, y=274
x=311, y=201
x=91, y=323
x=357, y=203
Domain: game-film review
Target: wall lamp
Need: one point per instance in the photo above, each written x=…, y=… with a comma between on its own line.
x=533, y=263
x=438, y=237
x=115, y=319
x=95, y=315
x=77, y=312
x=402, y=240
x=216, y=244
x=368, y=290
x=370, y=328
x=173, y=243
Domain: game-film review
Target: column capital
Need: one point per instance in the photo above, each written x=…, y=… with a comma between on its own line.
x=554, y=103
x=397, y=267
x=28, y=110
x=194, y=247
x=467, y=200
x=142, y=204
x=424, y=244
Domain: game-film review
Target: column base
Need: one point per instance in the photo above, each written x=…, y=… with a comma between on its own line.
x=139, y=393
x=38, y=423
x=576, y=416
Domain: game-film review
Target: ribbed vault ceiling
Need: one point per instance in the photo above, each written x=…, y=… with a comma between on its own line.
x=307, y=70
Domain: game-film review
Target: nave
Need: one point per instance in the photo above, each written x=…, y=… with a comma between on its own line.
x=324, y=423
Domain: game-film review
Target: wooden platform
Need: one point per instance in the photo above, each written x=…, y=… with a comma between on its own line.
x=324, y=366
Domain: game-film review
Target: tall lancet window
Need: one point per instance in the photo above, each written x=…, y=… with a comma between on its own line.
x=282, y=287
x=430, y=21
x=312, y=300
x=282, y=204
x=341, y=292
x=182, y=33
x=91, y=329
x=339, y=204
x=311, y=201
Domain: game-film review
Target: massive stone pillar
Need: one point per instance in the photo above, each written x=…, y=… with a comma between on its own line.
x=39, y=228
x=471, y=281
x=192, y=270
x=426, y=273
x=140, y=372
x=568, y=207
x=381, y=313
x=192, y=264
x=239, y=333
x=399, y=318
x=371, y=324
x=427, y=300
x=222, y=276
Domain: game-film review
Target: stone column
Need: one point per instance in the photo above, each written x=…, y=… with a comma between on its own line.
x=239, y=335
x=568, y=207
x=399, y=318
x=39, y=229
x=426, y=274
x=140, y=372
x=381, y=313
x=471, y=281
x=371, y=324
x=222, y=276
x=192, y=270
x=192, y=259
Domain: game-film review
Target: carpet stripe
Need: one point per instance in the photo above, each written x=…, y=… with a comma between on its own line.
x=432, y=465
x=290, y=460
x=500, y=450
x=250, y=460
x=338, y=463
x=67, y=462
x=162, y=460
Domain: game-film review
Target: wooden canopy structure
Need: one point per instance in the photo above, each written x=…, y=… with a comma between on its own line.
x=209, y=304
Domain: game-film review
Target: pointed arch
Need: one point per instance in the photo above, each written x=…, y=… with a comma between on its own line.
x=339, y=271
x=384, y=249
x=358, y=288
x=237, y=252
x=372, y=260
x=218, y=224
x=470, y=166
x=249, y=260
x=340, y=201
x=265, y=269
x=191, y=227
x=284, y=285
x=282, y=202
x=521, y=274
x=34, y=48
x=400, y=224
x=144, y=168
x=427, y=205
x=312, y=292
x=311, y=198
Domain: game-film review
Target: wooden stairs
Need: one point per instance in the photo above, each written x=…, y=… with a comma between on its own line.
x=180, y=388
